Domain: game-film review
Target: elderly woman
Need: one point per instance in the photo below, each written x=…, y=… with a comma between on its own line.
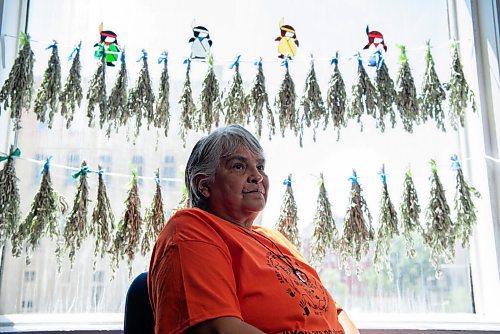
x=212, y=271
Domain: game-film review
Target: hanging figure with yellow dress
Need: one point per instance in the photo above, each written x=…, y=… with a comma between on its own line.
x=288, y=43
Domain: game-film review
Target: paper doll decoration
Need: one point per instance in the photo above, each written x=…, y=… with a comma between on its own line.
x=288, y=43
x=201, y=43
x=375, y=60
x=377, y=46
x=107, y=47
x=375, y=38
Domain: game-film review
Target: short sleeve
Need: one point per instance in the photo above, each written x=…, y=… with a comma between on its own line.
x=192, y=282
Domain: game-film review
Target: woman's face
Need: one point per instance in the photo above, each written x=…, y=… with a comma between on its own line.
x=239, y=190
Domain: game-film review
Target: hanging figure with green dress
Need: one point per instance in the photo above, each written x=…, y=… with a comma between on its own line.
x=107, y=47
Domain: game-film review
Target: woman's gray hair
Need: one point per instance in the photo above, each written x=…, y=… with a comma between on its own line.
x=208, y=153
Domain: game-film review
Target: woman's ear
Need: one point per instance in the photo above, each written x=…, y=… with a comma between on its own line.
x=203, y=186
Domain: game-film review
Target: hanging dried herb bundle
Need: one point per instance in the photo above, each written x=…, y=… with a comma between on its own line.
x=364, y=95
x=460, y=95
x=325, y=235
x=17, y=89
x=257, y=100
x=97, y=93
x=235, y=103
x=77, y=228
x=127, y=239
x=358, y=230
x=312, y=102
x=188, y=109
x=154, y=220
x=42, y=219
x=210, y=104
x=142, y=97
x=386, y=96
x=464, y=206
x=336, y=98
x=285, y=104
x=72, y=92
x=406, y=94
x=18, y=238
x=410, y=214
x=118, y=113
x=103, y=220
x=162, y=115
x=10, y=212
x=433, y=95
x=439, y=236
x=387, y=229
x=287, y=222
x=48, y=93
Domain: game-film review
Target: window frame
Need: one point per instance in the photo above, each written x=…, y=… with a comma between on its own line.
x=466, y=17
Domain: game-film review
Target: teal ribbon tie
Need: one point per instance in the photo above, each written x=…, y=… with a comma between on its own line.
x=144, y=55
x=288, y=181
x=163, y=58
x=236, y=62
x=455, y=164
x=82, y=172
x=14, y=154
x=46, y=165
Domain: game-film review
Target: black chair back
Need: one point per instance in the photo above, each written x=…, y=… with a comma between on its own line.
x=138, y=312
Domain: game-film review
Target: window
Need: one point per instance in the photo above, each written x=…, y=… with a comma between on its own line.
x=97, y=294
x=138, y=162
x=98, y=276
x=37, y=170
x=43, y=127
x=169, y=159
x=106, y=163
x=322, y=28
x=73, y=160
x=29, y=276
x=27, y=305
x=169, y=171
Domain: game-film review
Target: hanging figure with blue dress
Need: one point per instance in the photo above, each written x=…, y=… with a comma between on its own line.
x=201, y=43
x=376, y=46
x=375, y=38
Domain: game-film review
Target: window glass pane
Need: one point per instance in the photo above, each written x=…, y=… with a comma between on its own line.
x=323, y=27
x=106, y=163
x=169, y=170
x=37, y=169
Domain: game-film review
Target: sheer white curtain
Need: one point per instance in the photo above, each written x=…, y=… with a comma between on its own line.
x=247, y=28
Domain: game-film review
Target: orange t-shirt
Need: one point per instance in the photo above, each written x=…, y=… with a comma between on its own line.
x=204, y=267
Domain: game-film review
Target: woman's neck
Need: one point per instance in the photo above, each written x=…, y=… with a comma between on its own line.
x=245, y=222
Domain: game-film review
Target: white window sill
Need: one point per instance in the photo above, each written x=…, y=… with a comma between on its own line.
x=427, y=322
x=368, y=323
x=40, y=322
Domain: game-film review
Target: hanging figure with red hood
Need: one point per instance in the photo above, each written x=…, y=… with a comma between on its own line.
x=376, y=38
x=107, y=46
x=376, y=43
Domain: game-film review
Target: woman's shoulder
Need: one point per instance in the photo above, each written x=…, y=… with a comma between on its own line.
x=188, y=214
x=279, y=238
x=271, y=233
x=191, y=224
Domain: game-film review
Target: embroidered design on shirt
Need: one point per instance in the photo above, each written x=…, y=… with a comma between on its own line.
x=311, y=296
